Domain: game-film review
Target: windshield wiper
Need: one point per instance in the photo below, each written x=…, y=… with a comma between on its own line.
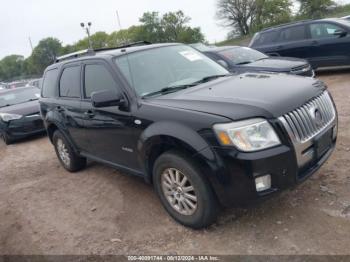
x=5, y=105
x=209, y=78
x=244, y=63
x=32, y=99
x=169, y=89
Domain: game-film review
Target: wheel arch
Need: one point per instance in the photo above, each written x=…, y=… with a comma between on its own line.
x=165, y=136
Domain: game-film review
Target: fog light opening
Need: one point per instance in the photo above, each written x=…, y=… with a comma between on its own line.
x=263, y=183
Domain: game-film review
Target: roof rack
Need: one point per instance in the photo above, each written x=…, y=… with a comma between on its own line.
x=286, y=24
x=139, y=43
x=93, y=51
x=74, y=55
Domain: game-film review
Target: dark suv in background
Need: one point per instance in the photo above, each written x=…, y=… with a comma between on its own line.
x=239, y=59
x=323, y=43
x=202, y=137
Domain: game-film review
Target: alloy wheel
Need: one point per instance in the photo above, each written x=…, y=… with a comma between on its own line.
x=178, y=191
x=63, y=152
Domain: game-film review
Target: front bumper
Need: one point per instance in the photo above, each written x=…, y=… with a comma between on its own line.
x=24, y=127
x=235, y=183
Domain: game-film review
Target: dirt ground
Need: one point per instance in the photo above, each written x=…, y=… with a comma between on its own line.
x=46, y=210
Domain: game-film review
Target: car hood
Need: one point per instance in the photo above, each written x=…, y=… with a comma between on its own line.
x=27, y=108
x=276, y=64
x=246, y=95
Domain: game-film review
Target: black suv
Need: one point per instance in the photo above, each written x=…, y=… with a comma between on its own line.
x=202, y=137
x=323, y=43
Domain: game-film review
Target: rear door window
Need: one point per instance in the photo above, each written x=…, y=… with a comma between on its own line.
x=293, y=33
x=49, y=84
x=264, y=38
x=97, y=78
x=70, y=82
x=323, y=30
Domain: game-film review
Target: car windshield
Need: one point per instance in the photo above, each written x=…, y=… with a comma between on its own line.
x=165, y=68
x=242, y=55
x=19, y=96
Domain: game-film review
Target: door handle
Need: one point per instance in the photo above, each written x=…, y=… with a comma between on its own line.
x=314, y=42
x=60, y=109
x=89, y=114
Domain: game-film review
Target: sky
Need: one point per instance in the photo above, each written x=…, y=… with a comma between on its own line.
x=37, y=19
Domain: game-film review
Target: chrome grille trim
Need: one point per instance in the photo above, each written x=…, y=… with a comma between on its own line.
x=302, y=123
x=301, y=68
x=301, y=126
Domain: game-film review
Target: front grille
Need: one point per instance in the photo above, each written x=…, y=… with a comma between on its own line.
x=309, y=120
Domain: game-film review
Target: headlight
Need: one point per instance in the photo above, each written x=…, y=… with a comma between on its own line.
x=248, y=135
x=8, y=117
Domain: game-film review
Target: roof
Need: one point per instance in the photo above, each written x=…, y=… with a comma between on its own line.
x=106, y=52
x=272, y=28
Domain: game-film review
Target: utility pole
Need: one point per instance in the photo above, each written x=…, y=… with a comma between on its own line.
x=31, y=44
x=87, y=29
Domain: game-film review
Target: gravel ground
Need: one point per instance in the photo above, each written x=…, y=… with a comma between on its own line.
x=46, y=210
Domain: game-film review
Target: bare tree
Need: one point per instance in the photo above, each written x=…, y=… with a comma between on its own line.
x=238, y=14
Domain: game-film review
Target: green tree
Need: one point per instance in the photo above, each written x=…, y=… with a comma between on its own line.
x=315, y=8
x=171, y=27
x=173, y=24
x=45, y=53
x=132, y=34
x=11, y=67
x=271, y=12
x=151, y=29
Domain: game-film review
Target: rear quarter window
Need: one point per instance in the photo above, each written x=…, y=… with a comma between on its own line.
x=49, y=83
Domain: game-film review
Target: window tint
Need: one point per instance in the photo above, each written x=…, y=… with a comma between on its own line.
x=49, y=83
x=70, y=82
x=294, y=33
x=98, y=78
x=264, y=38
x=323, y=30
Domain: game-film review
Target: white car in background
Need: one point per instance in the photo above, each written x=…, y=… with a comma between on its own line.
x=346, y=17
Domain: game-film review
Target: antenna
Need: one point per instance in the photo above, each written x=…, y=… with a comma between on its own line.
x=119, y=24
x=30, y=43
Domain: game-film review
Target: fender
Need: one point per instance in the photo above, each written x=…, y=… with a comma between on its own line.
x=52, y=118
x=191, y=139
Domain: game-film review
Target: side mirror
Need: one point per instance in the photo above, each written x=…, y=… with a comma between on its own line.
x=223, y=63
x=107, y=98
x=340, y=33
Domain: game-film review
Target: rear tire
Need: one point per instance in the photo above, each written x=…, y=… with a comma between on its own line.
x=6, y=138
x=70, y=160
x=183, y=191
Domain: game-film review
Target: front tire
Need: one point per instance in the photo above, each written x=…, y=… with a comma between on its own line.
x=70, y=160
x=183, y=191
